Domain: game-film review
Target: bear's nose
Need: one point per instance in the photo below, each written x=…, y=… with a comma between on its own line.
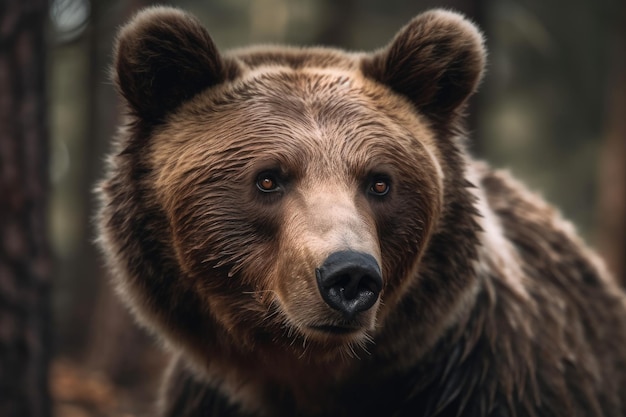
x=349, y=282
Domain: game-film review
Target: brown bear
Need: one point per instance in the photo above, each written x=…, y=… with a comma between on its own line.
x=305, y=230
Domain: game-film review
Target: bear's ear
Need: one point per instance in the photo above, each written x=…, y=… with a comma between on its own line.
x=163, y=57
x=436, y=61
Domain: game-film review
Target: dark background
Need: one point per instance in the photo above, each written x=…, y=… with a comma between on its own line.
x=551, y=109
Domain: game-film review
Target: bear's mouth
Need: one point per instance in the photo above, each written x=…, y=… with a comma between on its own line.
x=335, y=329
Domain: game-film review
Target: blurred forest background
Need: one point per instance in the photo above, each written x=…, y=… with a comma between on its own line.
x=552, y=109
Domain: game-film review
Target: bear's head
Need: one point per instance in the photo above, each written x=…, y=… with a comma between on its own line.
x=279, y=204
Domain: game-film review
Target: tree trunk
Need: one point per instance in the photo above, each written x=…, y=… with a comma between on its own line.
x=24, y=254
x=612, y=199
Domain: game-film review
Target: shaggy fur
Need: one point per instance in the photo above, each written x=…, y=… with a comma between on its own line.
x=491, y=306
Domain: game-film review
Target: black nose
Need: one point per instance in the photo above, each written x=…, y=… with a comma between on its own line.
x=349, y=282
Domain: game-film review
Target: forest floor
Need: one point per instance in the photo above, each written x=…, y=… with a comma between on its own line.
x=80, y=392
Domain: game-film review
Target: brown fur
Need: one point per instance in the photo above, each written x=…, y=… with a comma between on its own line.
x=491, y=306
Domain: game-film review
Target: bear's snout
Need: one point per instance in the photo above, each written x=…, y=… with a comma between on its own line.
x=349, y=282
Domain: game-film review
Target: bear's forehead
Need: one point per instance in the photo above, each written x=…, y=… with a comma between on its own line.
x=295, y=114
x=320, y=76
x=284, y=87
x=282, y=97
x=322, y=107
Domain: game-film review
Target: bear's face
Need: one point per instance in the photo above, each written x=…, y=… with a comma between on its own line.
x=297, y=165
x=289, y=192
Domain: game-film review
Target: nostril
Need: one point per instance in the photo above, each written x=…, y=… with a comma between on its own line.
x=349, y=281
x=357, y=284
x=343, y=281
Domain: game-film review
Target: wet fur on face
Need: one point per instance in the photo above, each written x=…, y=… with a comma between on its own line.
x=474, y=268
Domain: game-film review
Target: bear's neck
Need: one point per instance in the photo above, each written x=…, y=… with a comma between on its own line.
x=373, y=385
x=447, y=376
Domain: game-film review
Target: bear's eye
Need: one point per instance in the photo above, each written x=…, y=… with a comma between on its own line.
x=267, y=183
x=379, y=187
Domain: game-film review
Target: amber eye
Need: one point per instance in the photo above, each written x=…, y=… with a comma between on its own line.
x=379, y=187
x=267, y=183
